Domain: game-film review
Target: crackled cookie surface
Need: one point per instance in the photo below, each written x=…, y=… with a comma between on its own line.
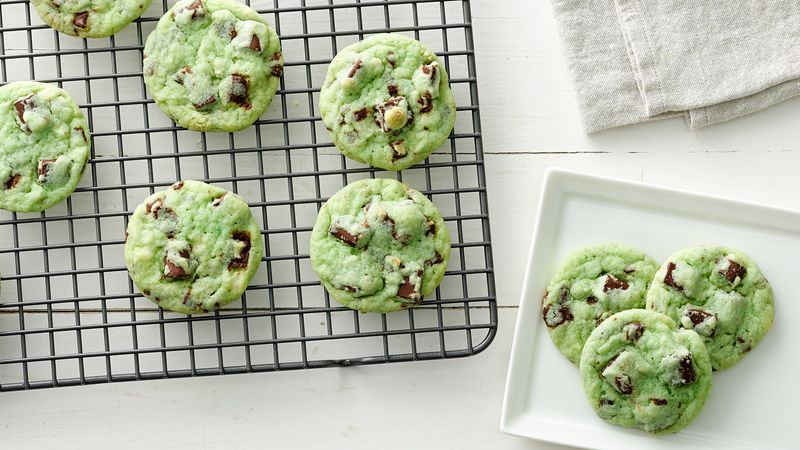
x=591, y=285
x=379, y=246
x=213, y=65
x=193, y=248
x=90, y=18
x=387, y=102
x=639, y=370
x=44, y=146
x=721, y=294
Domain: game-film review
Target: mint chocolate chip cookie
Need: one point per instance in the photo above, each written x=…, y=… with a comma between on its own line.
x=721, y=294
x=639, y=370
x=379, y=246
x=44, y=146
x=387, y=102
x=193, y=248
x=591, y=285
x=213, y=65
x=90, y=18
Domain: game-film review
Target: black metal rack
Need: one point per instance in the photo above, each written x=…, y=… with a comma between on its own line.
x=69, y=314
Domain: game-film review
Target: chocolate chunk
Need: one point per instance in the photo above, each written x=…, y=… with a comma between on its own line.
x=591, y=300
x=391, y=61
x=82, y=133
x=244, y=255
x=613, y=283
x=349, y=289
x=210, y=100
x=633, y=331
x=187, y=296
x=697, y=315
x=361, y=114
x=429, y=70
x=232, y=33
x=355, y=68
x=181, y=76
x=556, y=314
x=563, y=294
x=740, y=339
x=426, y=102
x=623, y=384
x=658, y=401
x=240, y=87
x=177, y=186
x=398, y=150
x=431, y=228
x=686, y=370
x=20, y=106
x=345, y=236
x=606, y=402
x=195, y=7
x=668, y=280
x=81, y=20
x=735, y=270
x=393, y=90
x=13, y=181
x=173, y=271
x=437, y=259
x=407, y=289
x=218, y=201
x=44, y=167
x=277, y=69
x=276, y=56
x=255, y=43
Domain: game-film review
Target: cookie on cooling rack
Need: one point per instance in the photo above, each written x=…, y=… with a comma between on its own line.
x=90, y=19
x=213, y=65
x=639, y=370
x=193, y=248
x=721, y=294
x=44, y=146
x=379, y=246
x=591, y=285
x=386, y=102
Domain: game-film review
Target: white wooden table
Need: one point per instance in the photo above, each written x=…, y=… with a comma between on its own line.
x=530, y=122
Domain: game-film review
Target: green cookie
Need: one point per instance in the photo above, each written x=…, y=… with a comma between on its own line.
x=44, y=146
x=193, y=248
x=639, y=370
x=592, y=284
x=90, y=18
x=213, y=65
x=721, y=294
x=379, y=246
x=387, y=102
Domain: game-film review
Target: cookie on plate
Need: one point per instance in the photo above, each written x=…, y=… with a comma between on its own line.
x=44, y=146
x=387, y=102
x=591, y=285
x=90, y=19
x=213, y=65
x=721, y=294
x=639, y=370
x=193, y=248
x=379, y=246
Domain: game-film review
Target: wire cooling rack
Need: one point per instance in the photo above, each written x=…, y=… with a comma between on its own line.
x=70, y=315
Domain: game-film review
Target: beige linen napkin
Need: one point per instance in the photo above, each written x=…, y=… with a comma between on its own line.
x=712, y=60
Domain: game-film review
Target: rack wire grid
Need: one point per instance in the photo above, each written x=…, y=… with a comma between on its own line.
x=70, y=315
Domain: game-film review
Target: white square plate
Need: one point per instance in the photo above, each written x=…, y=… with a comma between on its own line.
x=752, y=405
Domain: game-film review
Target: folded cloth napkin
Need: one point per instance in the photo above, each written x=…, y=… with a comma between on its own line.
x=711, y=60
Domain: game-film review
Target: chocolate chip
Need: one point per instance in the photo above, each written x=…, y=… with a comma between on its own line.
x=82, y=133
x=613, y=283
x=658, y=401
x=195, y=7
x=686, y=370
x=426, y=101
x=697, y=315
x=429, y=70
x=11, y=182
x=44, y=167
x=277, y=71
x=244, y=255
x=407, y=289
x=255, y=43
x=240, y=87
x=555, y=317
x=21, y=104
x=232, y=33
x=275, y=56
x=345, y=236
x=218, y=201
x=668, y=280
x=177, y=186
x=81, y=20
x=437, y=259
x=208, y=101
x=181, y=76
x=173, y=271
x=361, y=114
x=633, y=331
x=393, y=90
x=735, y=270
x=354, y=68
x=740, y=339
x=591, y=300
x=431, y=228
x=606, y=402
x=188, y=294
x=398, y=150
x=623, y=384
x=349, y=289
x=390, y=61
